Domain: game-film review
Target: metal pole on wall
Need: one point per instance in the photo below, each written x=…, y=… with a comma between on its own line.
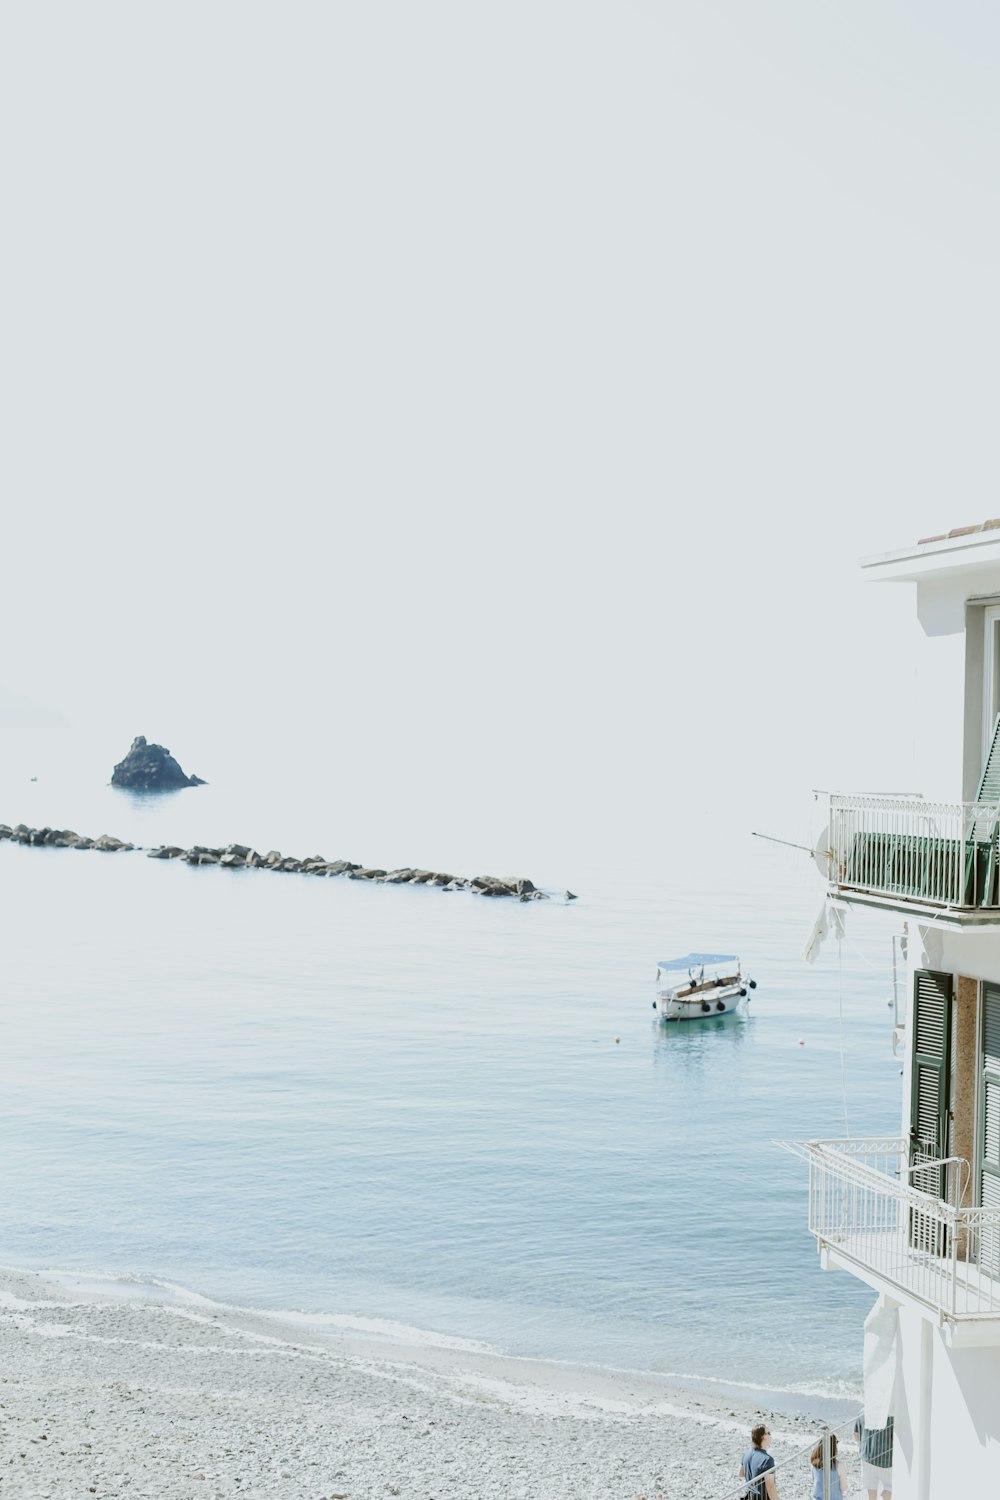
x=923, y=1486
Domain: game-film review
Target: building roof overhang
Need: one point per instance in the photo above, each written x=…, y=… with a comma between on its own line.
x=967, y=549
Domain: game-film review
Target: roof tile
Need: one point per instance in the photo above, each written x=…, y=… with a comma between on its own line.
x=961, y=531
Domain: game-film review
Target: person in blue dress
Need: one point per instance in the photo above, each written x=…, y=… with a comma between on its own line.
x=816, y=1459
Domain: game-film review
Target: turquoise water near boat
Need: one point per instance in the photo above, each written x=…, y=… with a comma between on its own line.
x=391, y=1105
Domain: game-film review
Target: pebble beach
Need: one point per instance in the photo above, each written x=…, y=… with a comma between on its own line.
x=114, y=1395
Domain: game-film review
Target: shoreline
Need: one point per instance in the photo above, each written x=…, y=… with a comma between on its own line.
x=120, y=1388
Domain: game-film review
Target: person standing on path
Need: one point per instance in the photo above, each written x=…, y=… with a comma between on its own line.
x=875, y=1448
x=758, y=1466
x=836, y=1475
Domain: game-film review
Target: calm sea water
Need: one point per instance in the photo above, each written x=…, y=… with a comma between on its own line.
x=396, y=1104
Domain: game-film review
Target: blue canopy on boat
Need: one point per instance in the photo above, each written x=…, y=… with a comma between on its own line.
x=698, y=961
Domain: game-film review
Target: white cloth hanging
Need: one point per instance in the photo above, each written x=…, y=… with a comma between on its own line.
x=830, y=919
x=881, y=1332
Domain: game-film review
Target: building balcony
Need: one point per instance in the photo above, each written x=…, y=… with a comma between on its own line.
x=922, y=1250
x=936, y=859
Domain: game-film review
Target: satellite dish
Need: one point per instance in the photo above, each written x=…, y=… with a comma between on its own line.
x=823, y=855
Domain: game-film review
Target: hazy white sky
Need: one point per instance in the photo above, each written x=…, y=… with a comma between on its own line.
x=485, y=391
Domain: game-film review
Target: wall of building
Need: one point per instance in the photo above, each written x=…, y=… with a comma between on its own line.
x=965, y=1421
x=975, y=672
x=949, y=680
x=906, y=1408
x=940, y=690
x=947, y=1416
x=974, y=952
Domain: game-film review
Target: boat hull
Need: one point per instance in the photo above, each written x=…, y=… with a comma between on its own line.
x=706, y=1006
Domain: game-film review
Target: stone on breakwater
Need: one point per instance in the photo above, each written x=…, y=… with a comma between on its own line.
x=65, y=838
x=512, y=885
x=197, y=855
x=59, y=838
x=237, y=856
x=315, y=864
x=62, y=838
x=150, y=768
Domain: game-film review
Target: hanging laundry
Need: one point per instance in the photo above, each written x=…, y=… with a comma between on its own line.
x=830, y=920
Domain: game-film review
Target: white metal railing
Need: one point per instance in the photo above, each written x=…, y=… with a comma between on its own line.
x=942, y=853
x=905, y=1216
x=792, y=1473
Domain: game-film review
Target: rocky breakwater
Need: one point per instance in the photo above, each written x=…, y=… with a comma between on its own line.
x=151, y=768
x=242, y=857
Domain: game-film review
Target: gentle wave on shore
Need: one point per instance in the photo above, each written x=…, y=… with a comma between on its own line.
x=383, y=1337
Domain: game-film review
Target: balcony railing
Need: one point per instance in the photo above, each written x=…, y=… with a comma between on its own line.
x=941, y=854
x=866, y=1211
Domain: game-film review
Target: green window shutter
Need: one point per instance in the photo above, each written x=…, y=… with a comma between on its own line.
x=989, y=786
x=991, y=1027
x=991, y=1125
x=931, y=1025
x=981, y=843
x=989, y=1113
x=930, y=1077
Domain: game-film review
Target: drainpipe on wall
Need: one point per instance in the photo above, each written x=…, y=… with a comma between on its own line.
x=924, y=1411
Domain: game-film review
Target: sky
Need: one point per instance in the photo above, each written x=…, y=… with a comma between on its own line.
x=493, y=400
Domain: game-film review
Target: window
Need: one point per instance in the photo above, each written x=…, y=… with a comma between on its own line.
x=991, y=674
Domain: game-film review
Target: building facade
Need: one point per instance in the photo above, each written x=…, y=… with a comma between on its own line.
x=917, y=1217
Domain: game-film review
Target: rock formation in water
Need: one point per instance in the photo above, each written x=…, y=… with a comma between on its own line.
x=150, y=768
x=242, y=857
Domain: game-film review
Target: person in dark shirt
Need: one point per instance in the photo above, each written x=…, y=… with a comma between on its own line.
x=757, y=1465
x=875, y=1449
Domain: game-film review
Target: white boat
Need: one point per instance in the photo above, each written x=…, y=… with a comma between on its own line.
x=701, y=985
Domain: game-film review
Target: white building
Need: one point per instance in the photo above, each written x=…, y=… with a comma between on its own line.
x=918, y=1218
